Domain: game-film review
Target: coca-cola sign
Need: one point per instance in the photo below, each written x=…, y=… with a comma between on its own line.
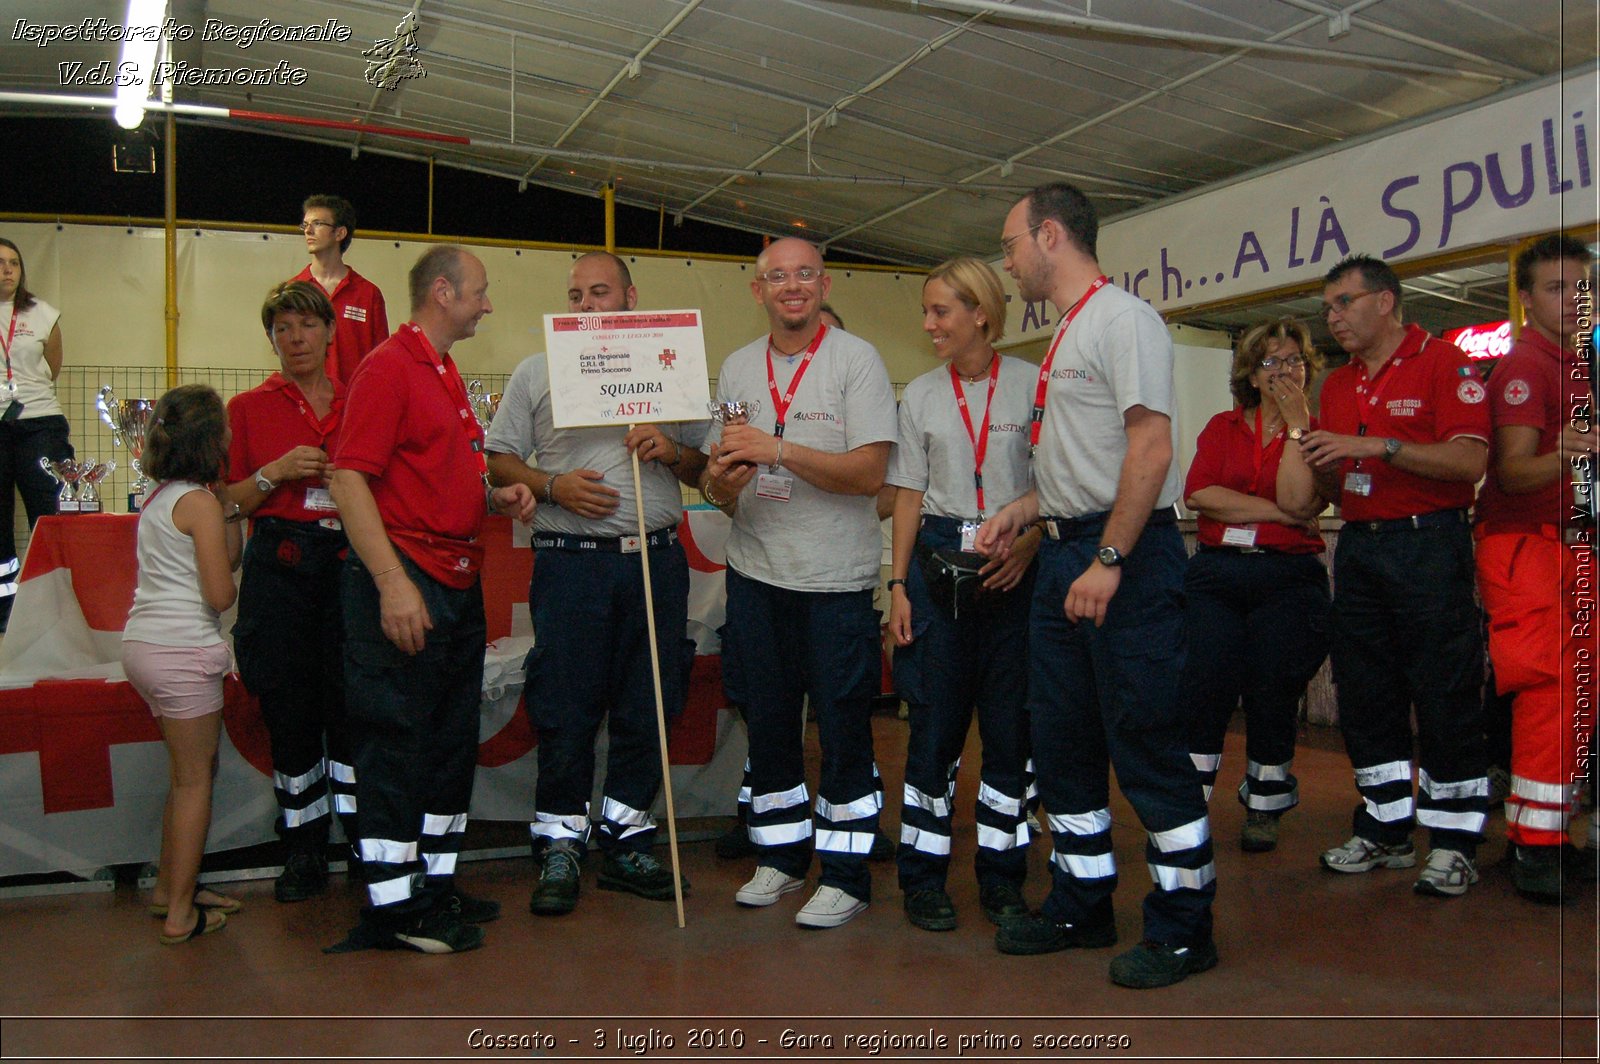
x=1491, y=340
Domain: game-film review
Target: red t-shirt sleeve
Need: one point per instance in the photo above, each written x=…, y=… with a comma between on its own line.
x=1459, y=397
x=239, y=447
x=369, y=428
x=1206, y=469
x=1517, y=394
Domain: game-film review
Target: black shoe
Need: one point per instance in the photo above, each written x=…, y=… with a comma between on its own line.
x=365, y=935
x=440, y=931
x=1002, y=903
x=882, y=848
x=931, y=910
x=304, y=876
x=1040, y=934
x=1153, y=964
x=472, y=910
x=1260, y=831
x=556, y=893
x=1536, y=873
x=638, y=873
x=736, y=843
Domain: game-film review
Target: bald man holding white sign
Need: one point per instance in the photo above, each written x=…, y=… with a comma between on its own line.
x=591, y=660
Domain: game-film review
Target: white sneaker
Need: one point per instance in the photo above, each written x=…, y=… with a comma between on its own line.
x=766, y=887
x=829, y=907
x=1448, y=873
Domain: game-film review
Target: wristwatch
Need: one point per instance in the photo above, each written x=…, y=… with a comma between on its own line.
x=1109, y=556
x=1391, y=447
x=1297, y=434
x=263, y=483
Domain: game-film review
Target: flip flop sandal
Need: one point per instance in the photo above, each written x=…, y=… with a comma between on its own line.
x=228, y=906
x=203, y=925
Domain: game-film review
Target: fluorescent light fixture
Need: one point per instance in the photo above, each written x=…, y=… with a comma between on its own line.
x=140, y=44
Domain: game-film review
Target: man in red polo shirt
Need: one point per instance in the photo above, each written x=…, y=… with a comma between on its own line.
x=360, y=322
x=1404, y=438
x=408, y=480
x=1536, y=535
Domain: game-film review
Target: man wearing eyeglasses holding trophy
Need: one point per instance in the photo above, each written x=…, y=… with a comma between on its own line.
x=360, y=322
x=1404, y=437
x=800, y=473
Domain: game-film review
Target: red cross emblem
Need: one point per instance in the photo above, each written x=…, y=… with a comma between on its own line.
x=1517, y=392
x=668, y=357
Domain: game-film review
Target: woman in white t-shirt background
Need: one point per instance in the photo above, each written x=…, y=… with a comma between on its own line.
x=32, y=425
x=173, y=650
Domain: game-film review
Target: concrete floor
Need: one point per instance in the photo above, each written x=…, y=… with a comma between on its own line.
x=1313, y=965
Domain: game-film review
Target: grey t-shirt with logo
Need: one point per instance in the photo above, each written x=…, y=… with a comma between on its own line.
x=934, y=452
x=817, y=540
x=524, y=425
x=1116, y=355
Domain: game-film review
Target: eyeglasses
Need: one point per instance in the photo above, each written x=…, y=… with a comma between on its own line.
x=1007, y=243
x=1274, y=361
x=311, y=226
x=779, y=278
x=1341, y=304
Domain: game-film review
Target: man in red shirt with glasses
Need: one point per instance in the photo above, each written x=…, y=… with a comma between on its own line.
x=1404, y=438
x=360, y=322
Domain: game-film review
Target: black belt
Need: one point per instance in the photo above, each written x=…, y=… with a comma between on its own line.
x=1437, y=519
x=661, y=537
x=946, y=524
x=1093, y=524
x=1229, y=548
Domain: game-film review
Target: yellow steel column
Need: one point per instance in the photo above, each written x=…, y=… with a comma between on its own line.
x=171, y=163
x=611, y=218
x=430, y=195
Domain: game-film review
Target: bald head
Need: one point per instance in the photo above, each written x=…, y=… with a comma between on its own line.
x=792, y=285
x=600, y=281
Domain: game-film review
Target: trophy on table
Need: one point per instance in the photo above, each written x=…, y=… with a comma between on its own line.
x=484, y=404
x=129, y=420
x=65, y=472
x=91, y=474
x=734, y=411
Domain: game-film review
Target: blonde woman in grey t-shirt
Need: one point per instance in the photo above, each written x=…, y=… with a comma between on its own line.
x=959, y=620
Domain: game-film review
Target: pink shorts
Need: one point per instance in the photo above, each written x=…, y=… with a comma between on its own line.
x=177, y=681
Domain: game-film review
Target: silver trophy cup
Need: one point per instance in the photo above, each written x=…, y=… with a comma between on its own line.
x=734, y=411
x=66, y=473
x=89, y=493
x=484, y=404
x=129, y=420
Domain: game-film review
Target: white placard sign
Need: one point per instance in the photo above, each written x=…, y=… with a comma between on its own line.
x=626, y=368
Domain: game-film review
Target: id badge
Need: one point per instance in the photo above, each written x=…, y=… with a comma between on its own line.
x=1358, y=483
x=1239, y=536
x=774, y=486
x=969, y=536
x=320, y=499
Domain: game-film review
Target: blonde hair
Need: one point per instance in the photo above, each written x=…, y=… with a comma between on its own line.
x=974, y=282
x=1253, y=347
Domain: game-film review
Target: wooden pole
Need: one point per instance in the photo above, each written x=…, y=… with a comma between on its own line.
x=655, y=676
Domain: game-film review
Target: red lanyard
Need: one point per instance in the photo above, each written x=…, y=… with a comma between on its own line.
x=1378, y=382
x=780, y=405
x=457, y=392
x=1258, y=452
x=1049, y=360
x=299, y=399
x=980, y=440
x=10, y=335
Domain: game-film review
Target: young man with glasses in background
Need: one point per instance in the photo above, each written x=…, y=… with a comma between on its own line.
x=360, y=322
x=1404, y=437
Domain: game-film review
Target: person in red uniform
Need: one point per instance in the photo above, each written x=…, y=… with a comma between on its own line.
x=1256, y=592
x=1536, y=536
x=408, y=479
x=360, y=321
x=1404, y=437
x=289, y=638
x=1404, y=440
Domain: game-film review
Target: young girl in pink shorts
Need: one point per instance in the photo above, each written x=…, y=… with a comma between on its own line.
x=172, y=646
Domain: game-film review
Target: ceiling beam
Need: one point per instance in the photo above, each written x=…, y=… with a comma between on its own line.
x=1108, y=28
x=1401, y=35
x=629, y=69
